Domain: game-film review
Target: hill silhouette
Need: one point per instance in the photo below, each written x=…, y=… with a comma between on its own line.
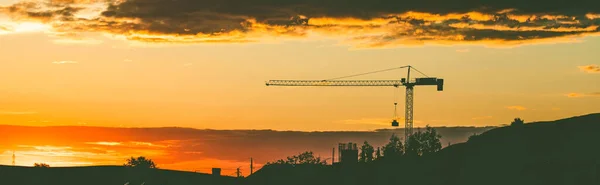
x=104, y=175
x=553, y=152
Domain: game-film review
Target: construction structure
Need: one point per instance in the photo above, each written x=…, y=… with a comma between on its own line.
x=216, y=171
x=348, y=153
x=407, y=82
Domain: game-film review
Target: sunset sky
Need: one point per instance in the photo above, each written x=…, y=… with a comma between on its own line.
x=183, y=148
x=203, y=63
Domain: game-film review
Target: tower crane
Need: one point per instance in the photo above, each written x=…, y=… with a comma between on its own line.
x=406, y=82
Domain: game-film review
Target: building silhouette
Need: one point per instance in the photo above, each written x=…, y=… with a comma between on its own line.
x=348, y=153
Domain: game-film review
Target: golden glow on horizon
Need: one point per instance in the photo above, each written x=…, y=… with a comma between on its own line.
x=113, y=153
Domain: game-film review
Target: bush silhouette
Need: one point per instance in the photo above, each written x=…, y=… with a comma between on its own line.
x=517, y=122
x=140, y=162
x=307, y=157
x=41, y=165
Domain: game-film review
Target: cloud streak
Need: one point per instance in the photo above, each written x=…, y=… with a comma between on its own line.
x=590, y=68
x=516, y=107
x=384, y=23
x=64, y=62
x=580, y=95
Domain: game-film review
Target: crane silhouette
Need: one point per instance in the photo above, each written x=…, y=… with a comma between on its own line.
x=407, y=82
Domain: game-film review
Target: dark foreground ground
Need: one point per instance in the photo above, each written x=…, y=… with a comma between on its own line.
x=562, y=152
x=106, y=175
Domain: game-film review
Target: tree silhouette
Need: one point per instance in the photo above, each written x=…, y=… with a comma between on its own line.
x=517, y=122
x=41, y=165
x=394, y=148
x=424, y=143
x=140, y=162
x=431, y=141
x=366, y=153
x=378, y=153
x=307, y=157
x=413, y=145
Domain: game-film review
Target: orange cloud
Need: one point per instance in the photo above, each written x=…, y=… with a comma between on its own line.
x=516, y=107
x=105, y=143
x=590, y=68
x=574, y=95
x=592, y=16
x=580, y=95
x=523, y=28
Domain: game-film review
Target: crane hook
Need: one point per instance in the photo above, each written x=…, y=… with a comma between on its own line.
x=395, y=120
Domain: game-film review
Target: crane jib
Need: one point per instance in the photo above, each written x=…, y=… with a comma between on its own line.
x=335, y=83
x=393, y=83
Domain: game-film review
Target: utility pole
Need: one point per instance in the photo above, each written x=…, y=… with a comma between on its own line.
x=238, y=173
x=251, y=167
x=13, y=159
x=333, y=156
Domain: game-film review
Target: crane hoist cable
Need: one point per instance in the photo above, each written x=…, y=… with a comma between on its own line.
x=395, y=119
x=361, y=74
x=378, y=71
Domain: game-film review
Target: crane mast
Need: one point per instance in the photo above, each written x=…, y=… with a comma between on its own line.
x=407, y=82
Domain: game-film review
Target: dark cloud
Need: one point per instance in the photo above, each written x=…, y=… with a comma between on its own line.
x=209, y=16
x=364, y=9
x=371, y=23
